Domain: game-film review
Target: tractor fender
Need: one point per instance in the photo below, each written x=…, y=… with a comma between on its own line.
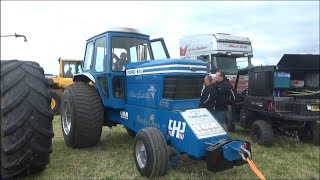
x=83, y=77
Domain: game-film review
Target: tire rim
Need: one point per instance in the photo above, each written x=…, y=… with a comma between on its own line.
x=53, y=103
x=141, y=154
x=66, y=117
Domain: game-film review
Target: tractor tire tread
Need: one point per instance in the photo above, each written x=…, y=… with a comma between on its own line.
x=154, y=140
x=26, y=119
x=266, y=132
x=90, y=115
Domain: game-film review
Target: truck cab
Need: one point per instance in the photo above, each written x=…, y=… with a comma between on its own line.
x=72, y=65
x=221, y=52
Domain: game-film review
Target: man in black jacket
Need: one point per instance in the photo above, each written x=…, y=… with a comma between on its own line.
x=225, y=97
x=208, y=94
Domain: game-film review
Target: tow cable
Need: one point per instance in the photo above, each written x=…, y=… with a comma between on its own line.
x=251, y=163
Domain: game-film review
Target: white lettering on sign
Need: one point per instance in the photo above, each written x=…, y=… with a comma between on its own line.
x=124, y=114
x=144, y=95
x=50, y=76
x=202, y=123
x=257, y=103
x=198, y=48
x=131, y=72
x=134, y=71
x=235, y=46
x=139, y=95
x=176, y=129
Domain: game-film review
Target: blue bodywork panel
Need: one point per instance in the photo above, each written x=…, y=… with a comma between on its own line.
x=145, y=82
x=183, y=130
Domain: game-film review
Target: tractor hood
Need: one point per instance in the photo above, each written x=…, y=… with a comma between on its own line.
x=165, y=62
x=299, y=62
x=166, y=66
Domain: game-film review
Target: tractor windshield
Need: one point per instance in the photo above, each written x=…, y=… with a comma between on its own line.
x=231, y=65
x=126, y=50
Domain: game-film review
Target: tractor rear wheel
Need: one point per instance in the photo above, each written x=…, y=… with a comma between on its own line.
x=55, y=102
x=150, y=152
x=262, y=133
x=26, y=119
x=82, y=115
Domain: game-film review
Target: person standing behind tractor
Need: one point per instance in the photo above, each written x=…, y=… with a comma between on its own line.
x=208, y=94
x=224, y=97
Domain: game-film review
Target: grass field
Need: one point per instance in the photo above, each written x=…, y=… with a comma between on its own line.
x=113, y=158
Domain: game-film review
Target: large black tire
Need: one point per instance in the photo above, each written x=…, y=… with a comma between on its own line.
x=57, y=102
x=229, y=123
x=26, y=119
x=151, y=146
x=262, y=133
x=310, y=134
x=315, y=132
x=82, y=115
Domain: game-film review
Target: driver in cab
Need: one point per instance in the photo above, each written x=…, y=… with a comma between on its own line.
x=121, y=62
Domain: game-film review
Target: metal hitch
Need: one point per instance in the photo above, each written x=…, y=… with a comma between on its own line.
x=226, y=154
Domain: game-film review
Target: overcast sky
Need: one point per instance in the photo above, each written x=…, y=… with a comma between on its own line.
x=60, y=29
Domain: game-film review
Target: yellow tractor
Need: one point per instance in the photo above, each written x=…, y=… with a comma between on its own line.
x=57, y=83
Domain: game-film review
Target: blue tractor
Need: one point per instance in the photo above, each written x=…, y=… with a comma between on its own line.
x=129, y=79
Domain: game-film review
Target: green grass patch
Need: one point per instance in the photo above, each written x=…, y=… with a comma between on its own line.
x=113, y=158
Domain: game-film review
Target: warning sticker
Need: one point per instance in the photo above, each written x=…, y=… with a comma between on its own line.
x=202, y=123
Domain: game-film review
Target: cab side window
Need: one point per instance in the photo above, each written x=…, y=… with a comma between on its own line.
x=88, y=56
x=158, y=51
x=100, y=54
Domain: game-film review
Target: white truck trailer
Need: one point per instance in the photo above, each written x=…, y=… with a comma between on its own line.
x=223, y=52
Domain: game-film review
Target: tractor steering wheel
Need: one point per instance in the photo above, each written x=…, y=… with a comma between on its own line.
x=116, y=64
x=115, y=57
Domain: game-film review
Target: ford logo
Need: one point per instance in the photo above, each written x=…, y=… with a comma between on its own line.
x=193, y=69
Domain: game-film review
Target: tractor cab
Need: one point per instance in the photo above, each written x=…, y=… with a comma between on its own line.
x=69, y=67
x=107, y=56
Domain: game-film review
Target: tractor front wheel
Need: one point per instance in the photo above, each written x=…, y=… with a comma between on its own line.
x=82, y=115
x=150, y=152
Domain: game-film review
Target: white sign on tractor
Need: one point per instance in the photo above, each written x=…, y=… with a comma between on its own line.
x=202, y=123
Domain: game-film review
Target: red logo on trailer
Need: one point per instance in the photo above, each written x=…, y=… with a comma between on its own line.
x=183, y=51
